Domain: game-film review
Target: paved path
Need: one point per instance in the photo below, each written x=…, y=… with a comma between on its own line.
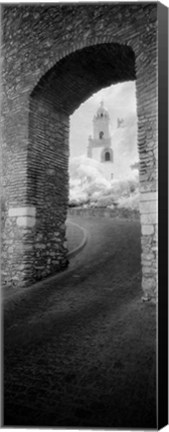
x=80, y=350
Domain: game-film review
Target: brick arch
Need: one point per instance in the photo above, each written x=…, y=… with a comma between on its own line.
x=58, y=93
x=27, y=132
x=112, y=56
x=77, y=46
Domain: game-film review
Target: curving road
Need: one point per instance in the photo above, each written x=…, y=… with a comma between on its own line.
x=79, y=349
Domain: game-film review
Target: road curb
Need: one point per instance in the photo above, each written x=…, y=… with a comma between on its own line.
x=78, y=249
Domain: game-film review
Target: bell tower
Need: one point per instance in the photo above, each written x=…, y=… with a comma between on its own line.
x=100, y=147
x=101, y=123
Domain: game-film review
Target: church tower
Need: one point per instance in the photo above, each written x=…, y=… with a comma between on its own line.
x=100, y=147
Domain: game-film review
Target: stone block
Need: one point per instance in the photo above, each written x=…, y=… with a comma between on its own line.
x=146, y=263
x=50, y=171
x=147, y=256
x=148, y=284
x=27, y=247
x=26, y=221
x=147, y=229
x=40, y=246
x=148, y=207
x=39, y=237
x=148, y=196
x=148, y=270
x=22, y=211
x=149, y=218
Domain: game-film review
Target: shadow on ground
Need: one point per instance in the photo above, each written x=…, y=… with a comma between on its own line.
x=80, y=351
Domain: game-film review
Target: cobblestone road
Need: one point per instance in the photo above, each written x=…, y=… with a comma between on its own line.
x=79, y=351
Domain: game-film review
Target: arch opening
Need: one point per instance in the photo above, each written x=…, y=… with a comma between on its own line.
x=80, y=74
x=107, y=156
x=115, y=158
x=57, y=95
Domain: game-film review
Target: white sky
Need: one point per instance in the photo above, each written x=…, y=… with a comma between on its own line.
x=119, y=99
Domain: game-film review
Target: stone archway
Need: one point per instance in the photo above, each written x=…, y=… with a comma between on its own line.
x=107, y=155
x=62, y=76
x=71, y=81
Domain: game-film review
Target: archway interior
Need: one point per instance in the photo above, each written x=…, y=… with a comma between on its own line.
x=77, y=76
x=60, y=91
x=109, y=171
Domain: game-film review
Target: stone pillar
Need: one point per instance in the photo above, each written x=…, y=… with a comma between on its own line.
x=35, y=165
x=17, y=248
x=149, y=211
x=147, y=109
x=48, y=186
x=17, y=218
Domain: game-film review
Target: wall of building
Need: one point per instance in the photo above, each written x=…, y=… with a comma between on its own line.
x=123, y=213
x=96, y=153
x=54, y=58
x=101, y=125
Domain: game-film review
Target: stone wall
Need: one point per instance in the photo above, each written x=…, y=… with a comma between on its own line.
x=107, y=212
x=54, y=58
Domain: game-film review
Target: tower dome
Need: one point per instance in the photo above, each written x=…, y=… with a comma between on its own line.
x=102, y=111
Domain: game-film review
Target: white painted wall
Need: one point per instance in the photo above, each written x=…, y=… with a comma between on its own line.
x=96, y=153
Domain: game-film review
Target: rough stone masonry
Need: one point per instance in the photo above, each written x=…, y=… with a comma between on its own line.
x=53, y=58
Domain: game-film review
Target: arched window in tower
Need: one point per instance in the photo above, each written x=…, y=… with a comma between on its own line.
x=101, y=134
x=107, y=156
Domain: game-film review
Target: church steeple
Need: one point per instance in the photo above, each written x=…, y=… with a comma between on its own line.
x=99, y=146
x=102, y=112
x=101, y=123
